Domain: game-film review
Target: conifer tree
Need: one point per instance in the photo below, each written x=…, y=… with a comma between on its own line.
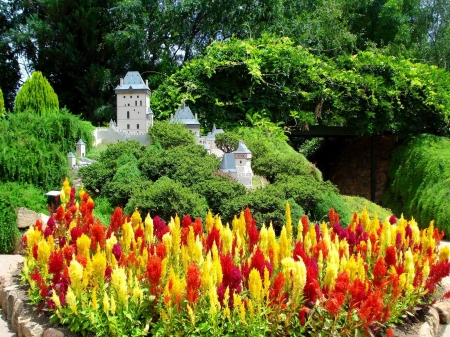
x=36, y=94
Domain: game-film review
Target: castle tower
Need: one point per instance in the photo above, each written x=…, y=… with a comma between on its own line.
x=185, y=116
x=80, y=149
x=71, y=160
x=243, y=160
x=133, y=103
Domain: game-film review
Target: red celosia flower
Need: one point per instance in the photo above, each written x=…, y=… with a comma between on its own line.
x=258, y=262
x=24, y=242
x=213, y=236
x=342, y=282
x=55, y=263
x=302, y=315
x=81, y=260
x=248, y=217
x=161, y=251
x=98, y=236
x=357, y=291
x=371, y=309
x=38, y=225
x=379, y=271
x=334, y=303
x=390, y=333
x=59, y=215
x=186, y=221
x=277, y=289
x=154, y=269
x=75, y=233
x=193, y=282
x=253, y=235
x=116, y=220
x=68, y=251
x=392, y=219
x=391, y=256
x=35, y=251
x=437, y=273
x=438, y=236
x=198, y=226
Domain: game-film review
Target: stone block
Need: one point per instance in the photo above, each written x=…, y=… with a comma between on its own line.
x=31, y=329
x=432, y=318
x=52, y=332
x=443, y=309
x=17, y=311
x=426, y=331
x=21, y=322
x=12, y=296
x=26, y=218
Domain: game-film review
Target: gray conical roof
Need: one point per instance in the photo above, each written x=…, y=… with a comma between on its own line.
x=80, y=142
x=132, y=80
x=70, y=155
x=242, y=148
x=228, y=163
x=184, y=115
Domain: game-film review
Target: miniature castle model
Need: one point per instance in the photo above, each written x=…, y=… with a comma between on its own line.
x=237, y=163
x=80, y=160
x=184, y=116
x=209, y=142
x=133, y=103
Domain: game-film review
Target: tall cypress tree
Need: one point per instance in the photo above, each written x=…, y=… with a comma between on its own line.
x=36, y=94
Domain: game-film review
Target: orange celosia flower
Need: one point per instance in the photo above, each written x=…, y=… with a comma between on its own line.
x=154, y=269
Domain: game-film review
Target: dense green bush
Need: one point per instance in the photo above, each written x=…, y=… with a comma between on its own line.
x=166, y=197
x=33, y=148
x=170, y=135
x=13, y=195
x=419, y=181
x=37, y=95
x=2, y=104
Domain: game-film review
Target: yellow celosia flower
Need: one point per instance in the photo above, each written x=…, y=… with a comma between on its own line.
x=213, y=300
x=263, y=239
x=105, y=303
x=98, y=267
x=209, y=221
x=284, y=243
x=365, y=221
x=332, y=268
x=127, y=236
x=255, y=285
x=43, y=252
x=242, y=312
x=148, y=233
x=87, y=273
x=33, y=237
x=94, y=302
x=206, y=278
x=216, y=266
x=227, y=240
x=66, y=189
x=119, y=283
x=295, y=271
x=444, y=253
x=76, y=275
x=71, y=300
x=426, y=271
x=174, y=288
x=83, y=245
x=300, y=231
x=251, y=309
x=191, y=314
x=409, y=266
x=167, y=241
x=113, y=305
x=266, y=283
x=218, y=223
x=81, y=192
x=175, y=230
x=288, y=223
x=136, y=219
x=138, y=293
x=320, y=263
x=185, y=258
x=109, y=246
x=55, y=299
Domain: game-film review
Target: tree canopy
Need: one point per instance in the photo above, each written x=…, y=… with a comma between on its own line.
x=36, y=95
x=273, y=80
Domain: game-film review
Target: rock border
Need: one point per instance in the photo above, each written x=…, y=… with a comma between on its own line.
x=22, y=316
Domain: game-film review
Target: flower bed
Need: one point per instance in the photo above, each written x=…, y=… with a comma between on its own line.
x=189, y=278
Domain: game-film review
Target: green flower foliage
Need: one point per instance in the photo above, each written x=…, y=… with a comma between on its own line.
x=33, y=148
x=36, y=94
x=253, y=82
x=13, y=195
x=419, y=180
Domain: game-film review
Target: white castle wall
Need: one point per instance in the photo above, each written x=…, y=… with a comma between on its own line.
x=113, y=135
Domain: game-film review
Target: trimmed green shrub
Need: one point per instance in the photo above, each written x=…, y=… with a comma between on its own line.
x=419, y=181
x=2, y=104
x=33, y=148
x=37, y=95
x=13, y=195
x=356, y=204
